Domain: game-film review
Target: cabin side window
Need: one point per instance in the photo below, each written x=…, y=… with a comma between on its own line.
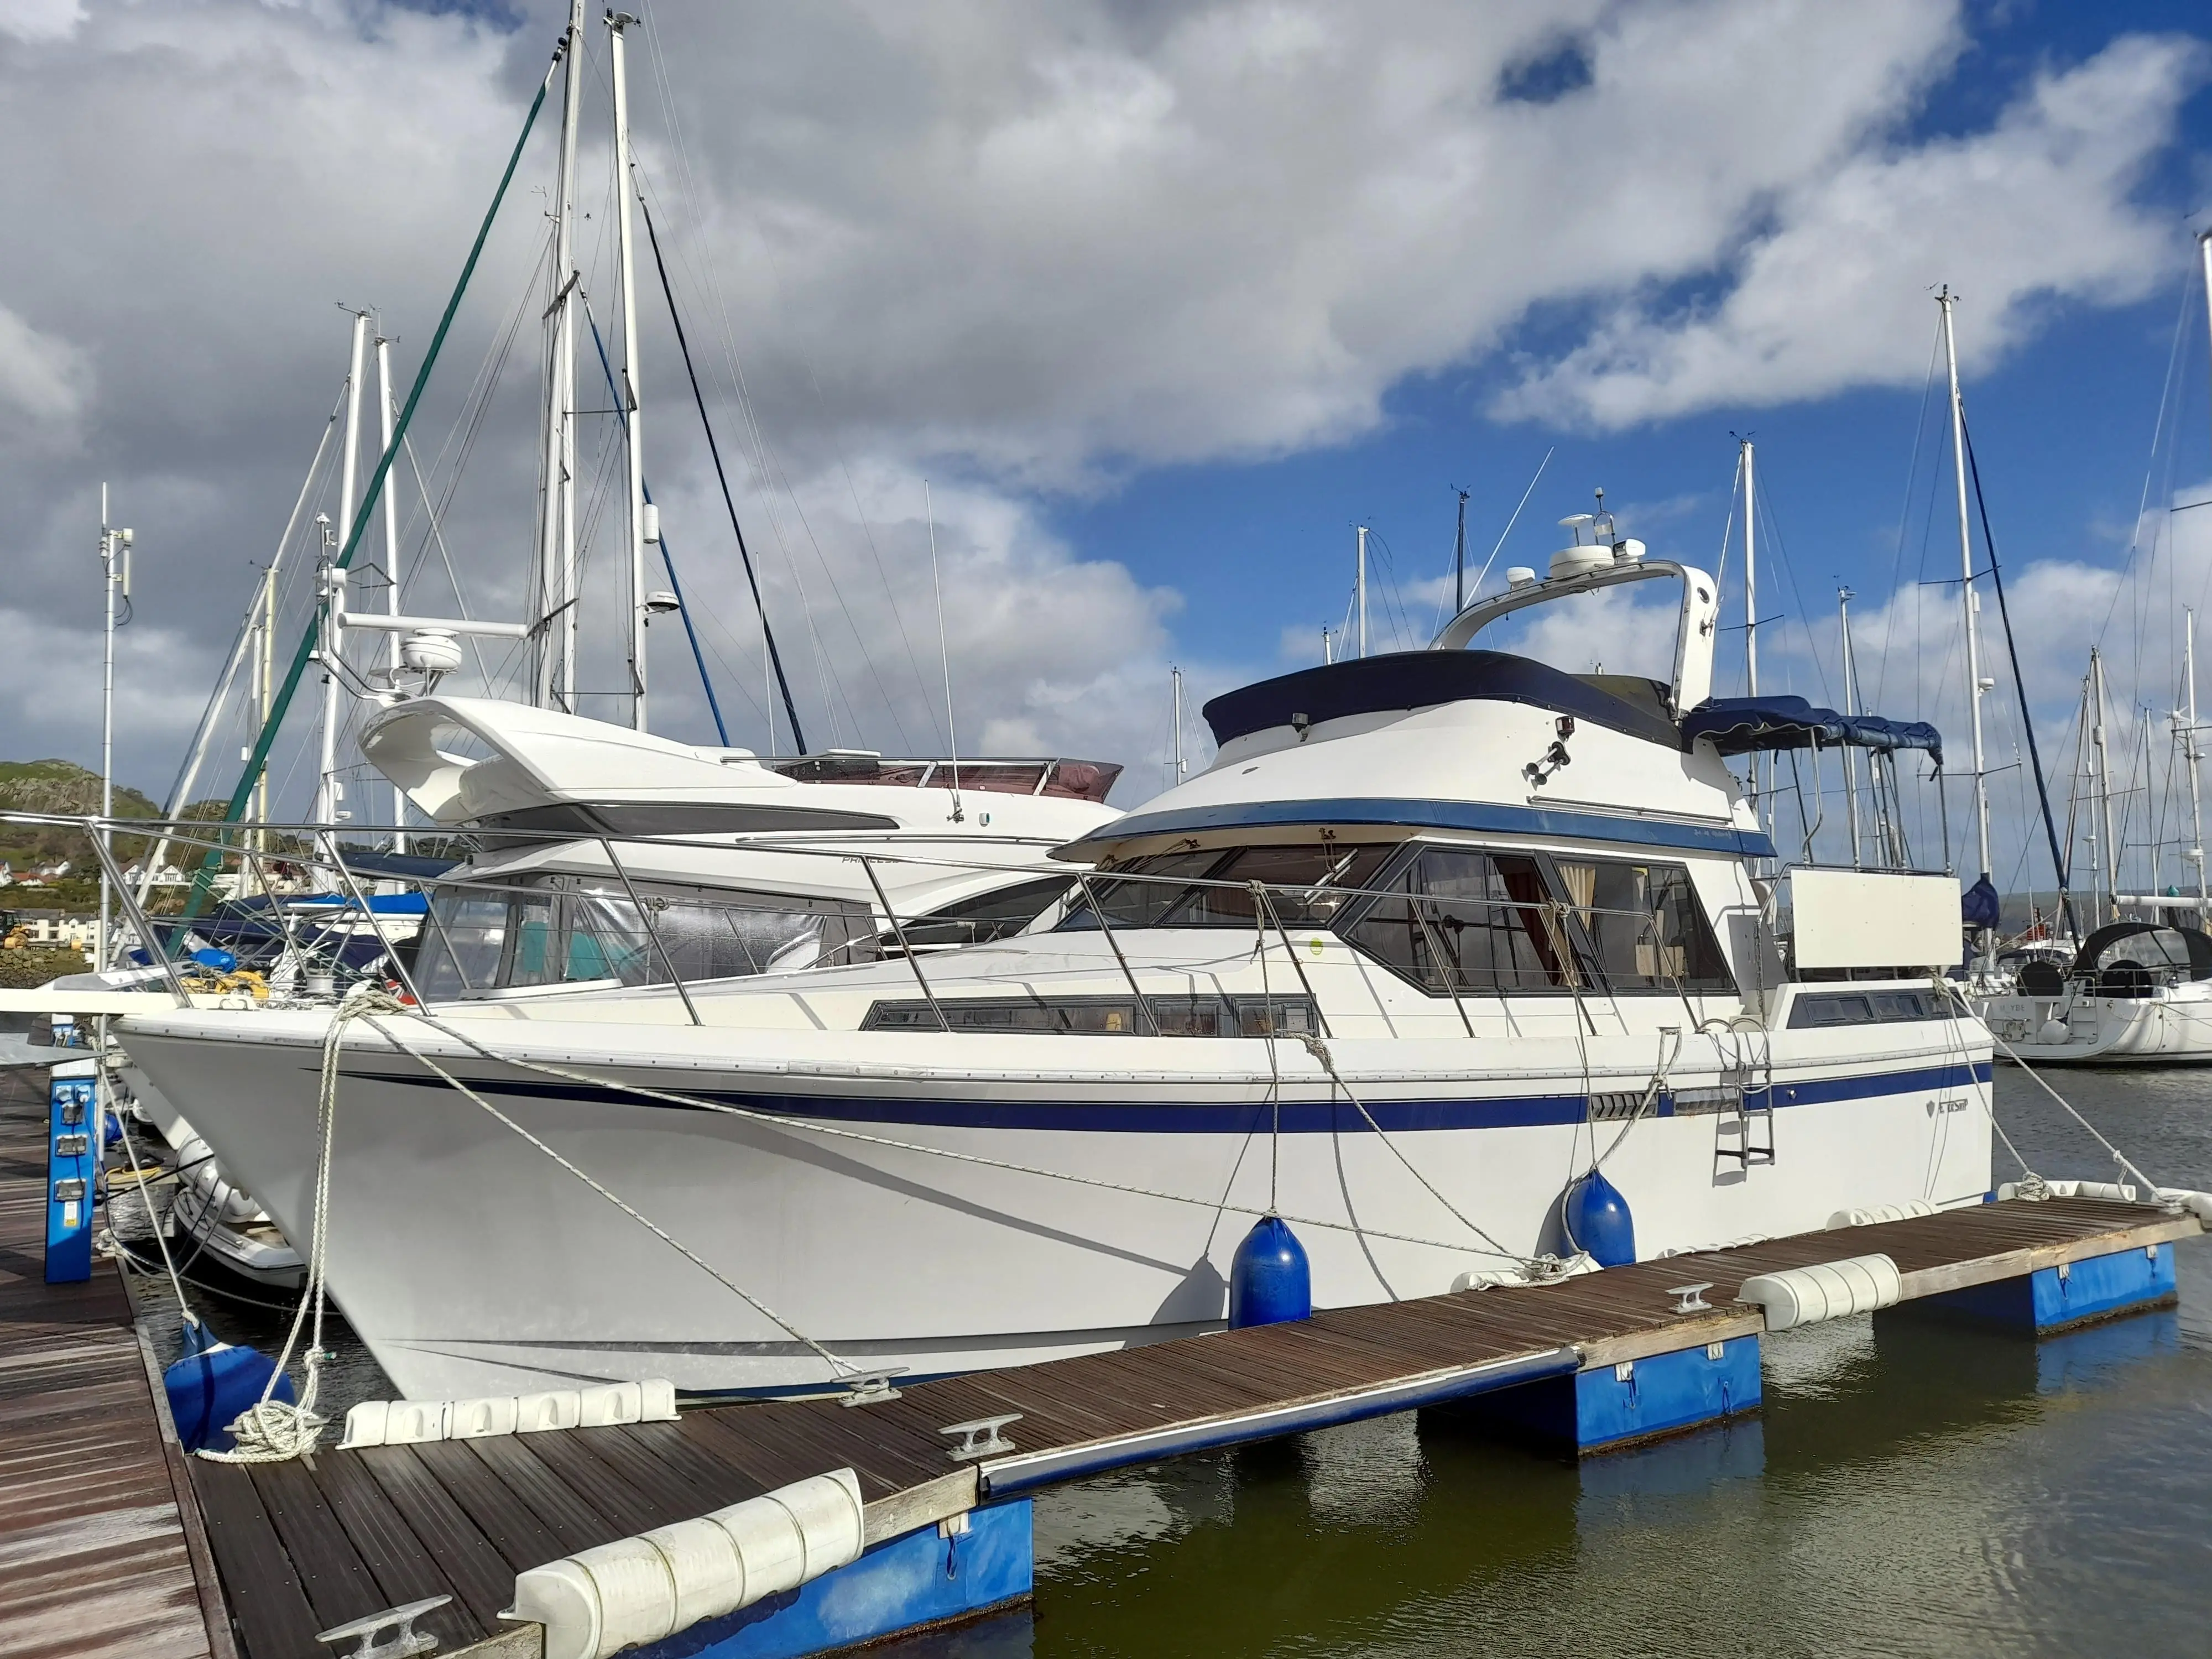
x=999, y=914
x=1093, y=1015
x=1645, y=924
x=1482, y=923
x=566, y=930
x=1310, y=884
x=1863, y=1008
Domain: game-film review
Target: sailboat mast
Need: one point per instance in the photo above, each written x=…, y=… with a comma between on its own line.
x=386, y=411
x=1359, y=589
x=1843, y=597
x=2108, y=900
x=2195, y=800
x=617, y=23
x=1750, y=577
x=1745, y=464
x=1944, y=300
x=1181, y=768
x=327, y=789
x=266, y=681
x=2190, y=751
x=556, y=551
x=1459, y=559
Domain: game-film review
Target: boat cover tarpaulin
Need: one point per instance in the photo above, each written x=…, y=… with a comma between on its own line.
x=1421, y=679
x=1739, y=725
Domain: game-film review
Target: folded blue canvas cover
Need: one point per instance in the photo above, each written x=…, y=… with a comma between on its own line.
x=1739, y=725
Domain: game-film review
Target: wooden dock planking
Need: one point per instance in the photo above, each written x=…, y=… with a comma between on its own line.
x=404, y=1570
x=483, y=1579
x=96, y=1553
x=261, y=1586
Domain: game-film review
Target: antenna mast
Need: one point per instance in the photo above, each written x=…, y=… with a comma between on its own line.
x=114, y=570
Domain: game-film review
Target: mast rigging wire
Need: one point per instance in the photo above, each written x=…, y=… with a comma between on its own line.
x=1499, y=545
x=2060, y=867
x=722, y=477
x=667, y=559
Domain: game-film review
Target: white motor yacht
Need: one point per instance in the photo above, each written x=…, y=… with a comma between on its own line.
x=1437, y=935
x=570, y=815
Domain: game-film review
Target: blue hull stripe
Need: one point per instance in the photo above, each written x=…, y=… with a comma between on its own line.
x=1298, y=1117
x=1417, y=814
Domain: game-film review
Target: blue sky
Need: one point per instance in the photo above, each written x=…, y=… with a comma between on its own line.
x=2062, y=428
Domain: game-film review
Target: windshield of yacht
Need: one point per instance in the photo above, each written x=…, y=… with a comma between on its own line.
x=1450, y=918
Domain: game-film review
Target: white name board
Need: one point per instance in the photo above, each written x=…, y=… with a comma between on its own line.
x=1870, y=919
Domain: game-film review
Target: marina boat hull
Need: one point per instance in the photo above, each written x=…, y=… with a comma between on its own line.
x=2170, y=1026
x=2137, y=994
x=503, y=1272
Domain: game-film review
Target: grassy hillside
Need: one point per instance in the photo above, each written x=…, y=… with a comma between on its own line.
x=64, y=787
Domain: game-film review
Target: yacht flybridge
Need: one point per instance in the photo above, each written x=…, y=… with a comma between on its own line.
x=1457, y=964
x=608, y=856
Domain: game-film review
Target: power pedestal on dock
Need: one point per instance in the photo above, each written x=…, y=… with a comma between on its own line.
x=2057, y=1299
x=72, y=1157
x=1603, y=1407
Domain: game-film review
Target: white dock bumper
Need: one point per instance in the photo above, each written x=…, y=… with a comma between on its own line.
x=1873, y=1215
x=644, y=1589
x=1827, y=1290
x=408, y=1422
x=2196, y=1203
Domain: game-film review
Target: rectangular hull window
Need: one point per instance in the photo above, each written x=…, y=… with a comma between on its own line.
x=1188, y=1016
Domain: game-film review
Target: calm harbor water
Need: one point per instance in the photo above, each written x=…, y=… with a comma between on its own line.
x=1912, y=1490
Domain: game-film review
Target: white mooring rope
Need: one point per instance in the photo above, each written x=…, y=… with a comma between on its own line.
x=272, y=1431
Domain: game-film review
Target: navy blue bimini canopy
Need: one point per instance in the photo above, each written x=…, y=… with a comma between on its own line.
x=1739, y=725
